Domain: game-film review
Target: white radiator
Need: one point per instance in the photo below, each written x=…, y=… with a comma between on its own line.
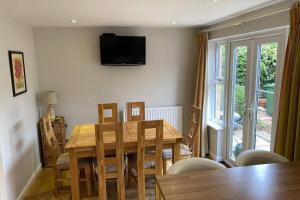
x=173, y=115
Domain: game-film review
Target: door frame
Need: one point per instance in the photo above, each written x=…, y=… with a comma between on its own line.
x=230, y=105
x=280, y=31
x=280, y=39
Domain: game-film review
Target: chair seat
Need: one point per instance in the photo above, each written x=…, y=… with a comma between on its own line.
x=184, y=151
x=64, y=161
x=148, y=165
x=109, y=169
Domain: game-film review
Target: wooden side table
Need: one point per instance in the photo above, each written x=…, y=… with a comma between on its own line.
x=60, y=132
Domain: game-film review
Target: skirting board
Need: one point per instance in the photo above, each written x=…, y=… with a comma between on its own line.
x=29, y=183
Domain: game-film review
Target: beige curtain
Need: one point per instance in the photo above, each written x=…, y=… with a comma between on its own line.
x=200, y=81
x=287, y=141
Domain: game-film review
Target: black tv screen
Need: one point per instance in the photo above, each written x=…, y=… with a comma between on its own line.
x=122, y=50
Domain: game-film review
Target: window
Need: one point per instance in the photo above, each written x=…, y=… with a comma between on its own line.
x=219, y=84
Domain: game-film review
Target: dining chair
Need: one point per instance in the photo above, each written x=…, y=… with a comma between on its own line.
x=111, y=167
x=257, y=157
x=108, y=107
x=135, y=112
x=60, y=161
x=191, y=146
x=194, y=164
x=131, y=107
x=150, y=135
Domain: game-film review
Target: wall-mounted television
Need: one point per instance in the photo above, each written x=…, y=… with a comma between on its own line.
x=122, y=50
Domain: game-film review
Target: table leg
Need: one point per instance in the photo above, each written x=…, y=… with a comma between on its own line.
x=176, y=152
x=74, y=176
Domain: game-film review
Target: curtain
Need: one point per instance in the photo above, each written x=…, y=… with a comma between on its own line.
x=287, y=142
x=199, y=89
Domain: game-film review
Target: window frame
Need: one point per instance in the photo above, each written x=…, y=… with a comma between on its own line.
x=216, y=80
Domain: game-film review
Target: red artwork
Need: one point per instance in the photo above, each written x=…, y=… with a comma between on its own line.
x=17, y=68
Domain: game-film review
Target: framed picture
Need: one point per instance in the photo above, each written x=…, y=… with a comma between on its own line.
x=17, y=71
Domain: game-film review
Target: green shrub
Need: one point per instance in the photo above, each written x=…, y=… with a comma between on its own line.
x=267, y=72
x=240, y=100
x=267, y=65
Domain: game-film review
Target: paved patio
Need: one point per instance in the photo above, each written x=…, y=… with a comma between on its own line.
x=263, y=131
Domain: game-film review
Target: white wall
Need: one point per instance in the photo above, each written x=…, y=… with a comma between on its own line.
x=18, y=115
x=69, y=63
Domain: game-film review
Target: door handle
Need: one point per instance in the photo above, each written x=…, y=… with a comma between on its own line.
x=249, y=110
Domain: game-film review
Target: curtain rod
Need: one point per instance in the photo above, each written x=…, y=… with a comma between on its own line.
x=245, y=20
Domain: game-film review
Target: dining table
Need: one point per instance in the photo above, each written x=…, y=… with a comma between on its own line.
x=82, y=144
x=257, y=182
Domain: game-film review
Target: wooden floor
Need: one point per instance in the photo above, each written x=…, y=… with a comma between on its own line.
x=42, y=189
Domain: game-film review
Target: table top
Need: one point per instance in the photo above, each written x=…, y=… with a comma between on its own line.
x=266, y=182
x=83, y=136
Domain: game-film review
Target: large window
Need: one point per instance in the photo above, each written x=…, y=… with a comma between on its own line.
x=219, y=84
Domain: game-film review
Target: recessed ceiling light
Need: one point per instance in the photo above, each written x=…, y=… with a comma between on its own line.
x=73, y=21
x=215, y=0
x=173, y=22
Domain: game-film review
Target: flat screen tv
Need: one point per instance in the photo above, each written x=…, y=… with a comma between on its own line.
x=122, y=50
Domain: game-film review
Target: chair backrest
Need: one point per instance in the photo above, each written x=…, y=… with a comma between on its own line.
x=150, y=135
x=135, y=105
x=256, y=157
x=192, y=138
x=115, y=132
x=194, y=164
x=51, y=141
x=111, y=107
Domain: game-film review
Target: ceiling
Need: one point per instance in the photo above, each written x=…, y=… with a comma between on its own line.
x=142, y=13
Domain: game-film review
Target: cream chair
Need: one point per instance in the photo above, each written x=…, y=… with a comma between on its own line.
x=194, y=164
x=257, y=157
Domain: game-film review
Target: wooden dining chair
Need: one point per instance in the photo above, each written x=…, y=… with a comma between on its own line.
x=131, y=107
x=135, y=112
x=108, y=107
x=111, y=167
x=154, y=141
x=60, y=161
x=191, y=147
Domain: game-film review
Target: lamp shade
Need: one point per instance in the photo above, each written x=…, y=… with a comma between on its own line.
x=50, y=97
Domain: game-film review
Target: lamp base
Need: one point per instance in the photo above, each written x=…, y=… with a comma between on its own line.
x=51, y=112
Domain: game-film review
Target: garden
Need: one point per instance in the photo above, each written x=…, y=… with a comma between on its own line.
x=265, y=93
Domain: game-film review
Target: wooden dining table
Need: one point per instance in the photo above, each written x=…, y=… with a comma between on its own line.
x=82, y=144
x=258, y=182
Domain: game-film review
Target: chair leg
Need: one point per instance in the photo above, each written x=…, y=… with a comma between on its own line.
x=59, y=176
x=131, y=178
x=165, y=166
x=157, y=192
x=128, y=169
x=95, y=182
x=55, y=182
x=88, y=180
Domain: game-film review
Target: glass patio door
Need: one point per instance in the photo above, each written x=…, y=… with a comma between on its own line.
x=268, y=53
x=239, y=97
x=255, y=68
